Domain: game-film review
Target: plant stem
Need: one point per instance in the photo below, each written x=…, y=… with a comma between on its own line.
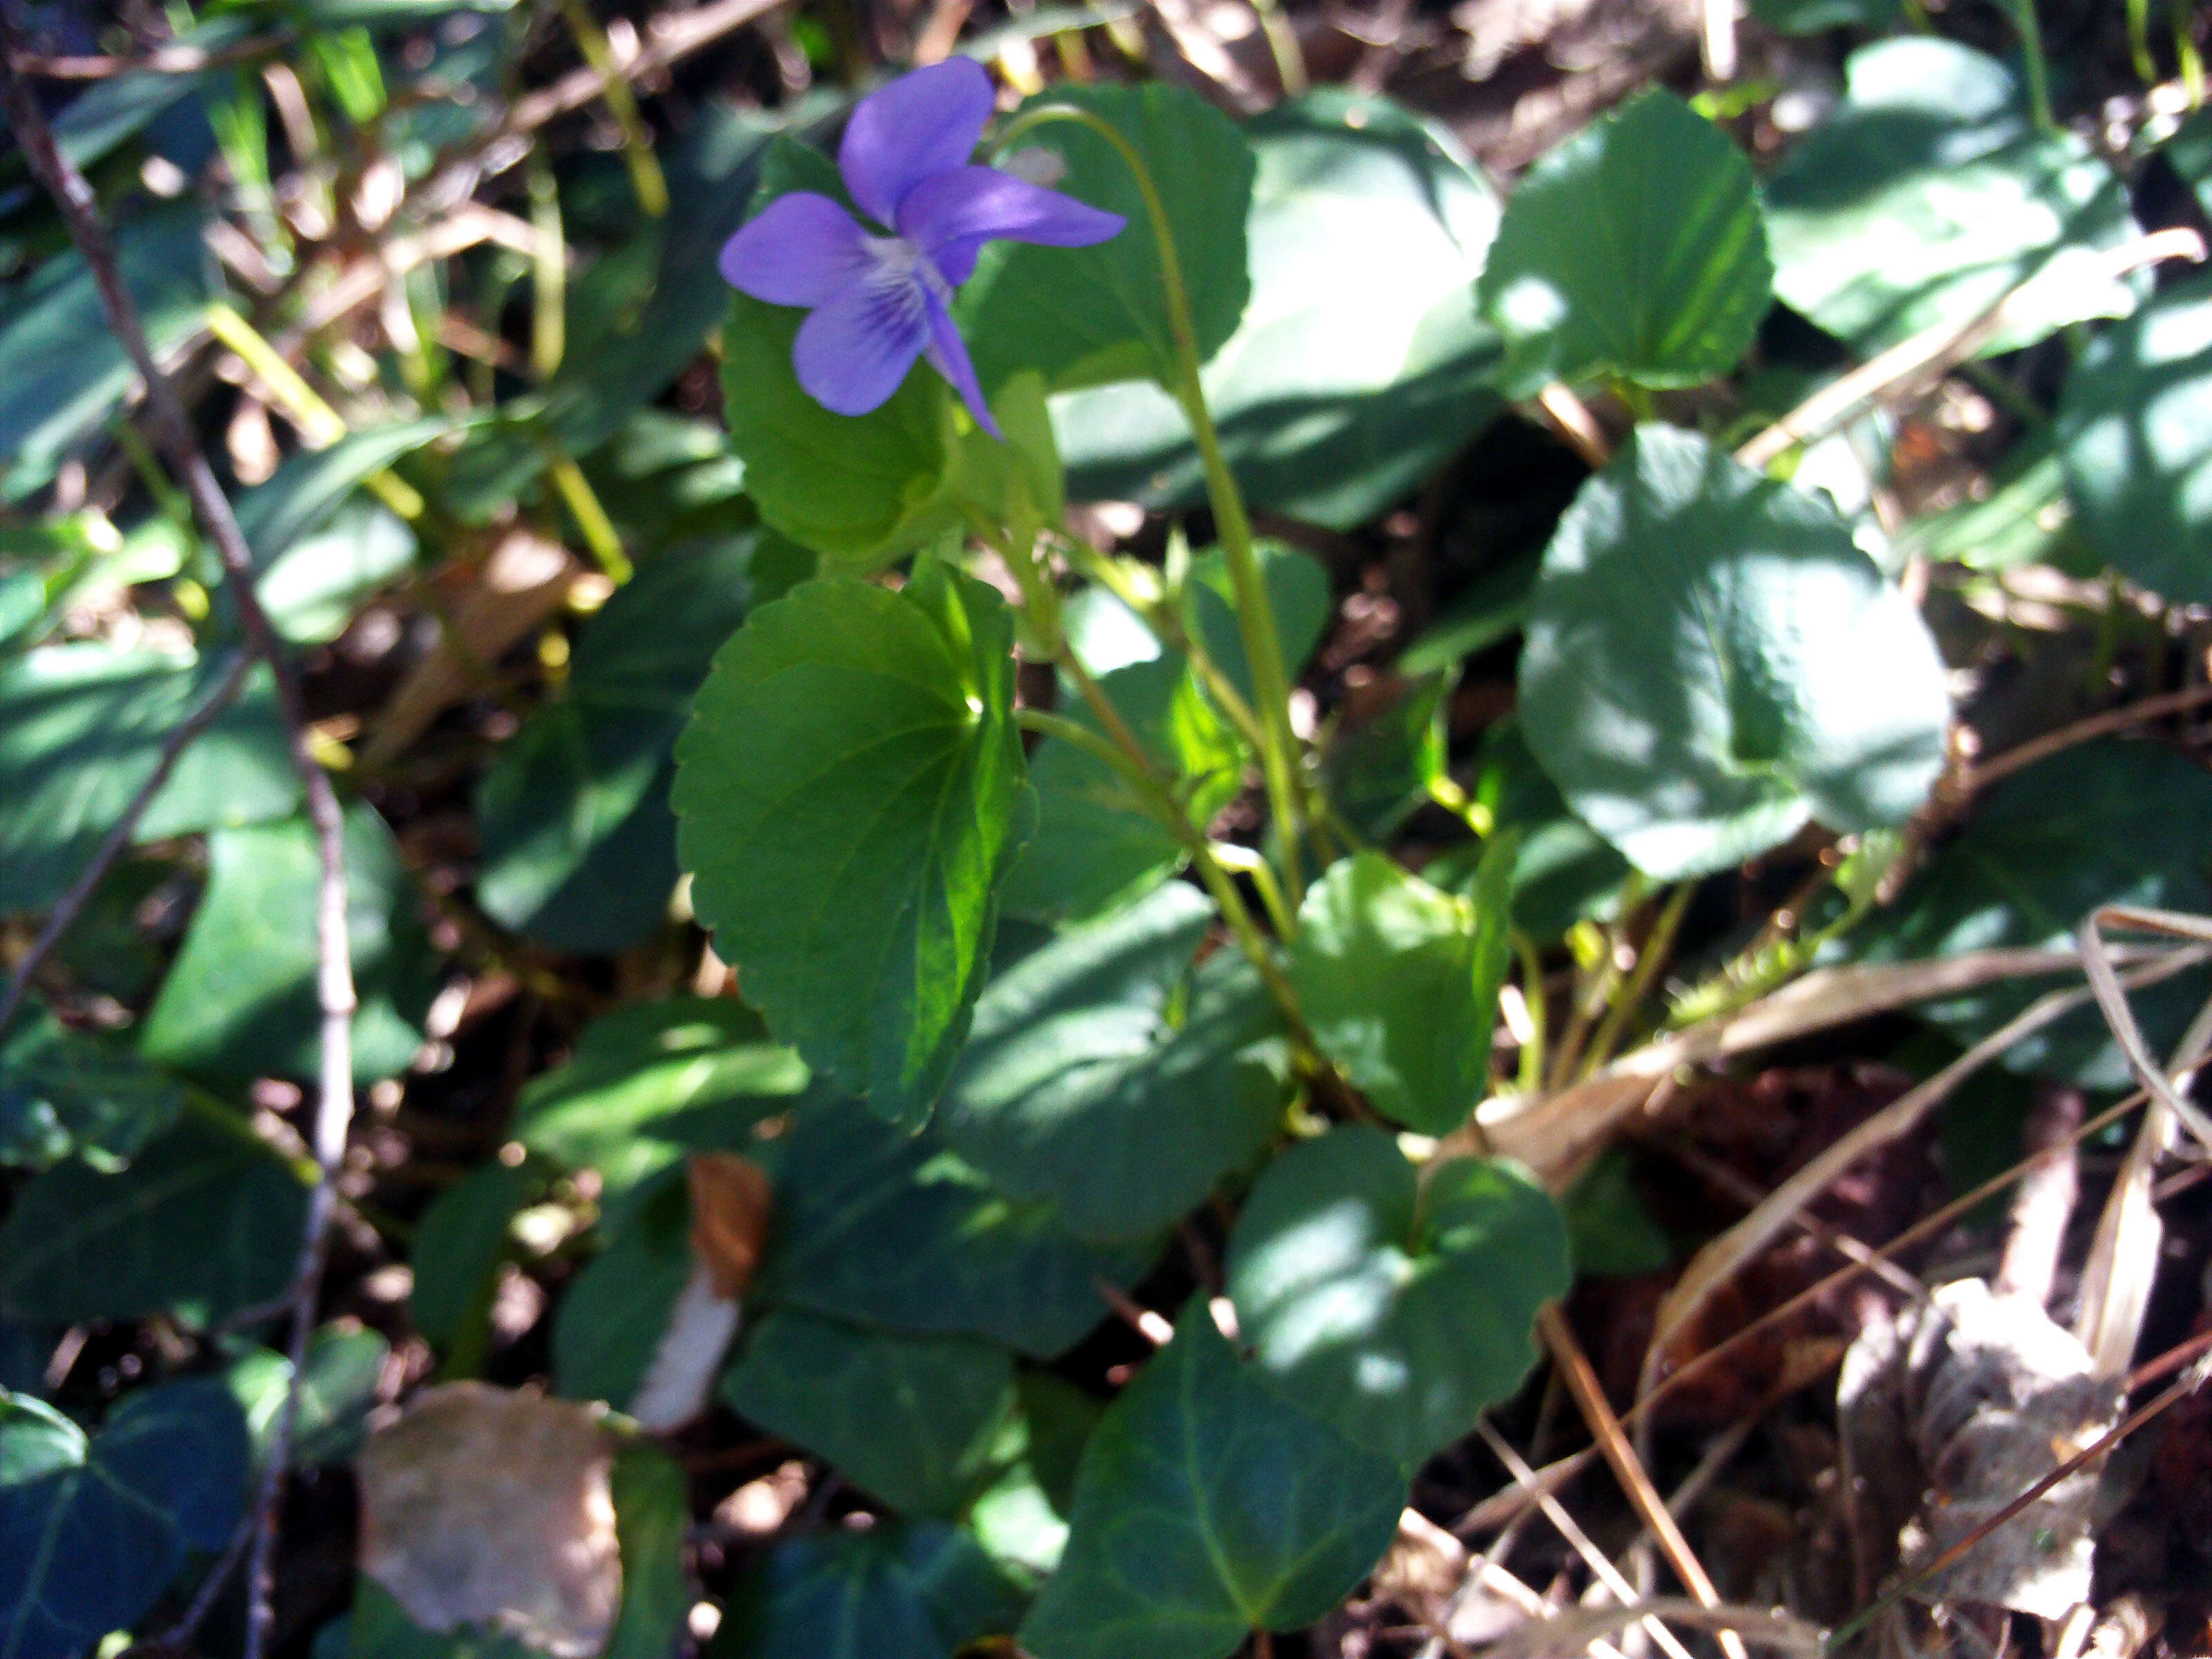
x=1255, y=616
x=1530, y=1080
x=1657, y=945
x=2139, y=42
x=2038, y=72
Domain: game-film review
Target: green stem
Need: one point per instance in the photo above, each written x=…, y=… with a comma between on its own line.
x=1657, y=947
x=2038, y=72
x=2139, y=42
x=1531, y=1078
x=645, y=175
x=2190, y=60
x=1255, y=616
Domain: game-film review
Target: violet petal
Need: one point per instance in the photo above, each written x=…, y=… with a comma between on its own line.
x=949, y=214
x=853, y=352
x=925, y=122
x=948, y=355
x=802, y=249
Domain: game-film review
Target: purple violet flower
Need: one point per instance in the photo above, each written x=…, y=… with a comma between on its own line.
x=881, y=298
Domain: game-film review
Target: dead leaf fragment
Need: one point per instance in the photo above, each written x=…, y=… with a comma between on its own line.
x=730, y=1201
x=484, y=1505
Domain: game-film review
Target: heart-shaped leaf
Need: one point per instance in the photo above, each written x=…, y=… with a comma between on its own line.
x=1399, y=983
x=66, y=1092
x=1088, y=316
x=910, y=1420
x=1635, y=248
x=1711, y=660
x=92, y=1531
x=908, y=1590
x=851, y=790
x=1393, y=1306
x=1087, y=1080
x=1206, y=1507
x=1930, y=194
x=2135, y=432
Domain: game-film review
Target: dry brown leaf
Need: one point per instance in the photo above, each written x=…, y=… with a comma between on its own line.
x=486, y=1506
x=1948, y=1413
x=731, y=1201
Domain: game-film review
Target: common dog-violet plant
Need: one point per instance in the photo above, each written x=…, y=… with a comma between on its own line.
x=881, y=298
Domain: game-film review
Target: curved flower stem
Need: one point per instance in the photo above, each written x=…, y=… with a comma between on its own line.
x=1255, y=616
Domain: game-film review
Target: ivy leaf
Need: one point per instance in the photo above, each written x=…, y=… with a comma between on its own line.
x=653, y=1518
x=93, y=1530
x=1711, y=662
x=2135, y=433
x=1929, y=195
x=1088, y=316
x=1399, y=982
x=850, y=791
x=908, y=1590
x=1393, y=1306
x=1207, y=1506
x=1087, y=1081
x=910, y=1420
x=65, y=1092
x=240, y=1000
x=1635, y=248
x=205, y=1221
x=885, y=1228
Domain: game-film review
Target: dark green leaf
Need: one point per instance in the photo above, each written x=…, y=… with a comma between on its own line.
x=1635, y=248
x=91, y=1532
x=81, y=728
x=1088, y=316
x=2135, y=431
x=2106, y=822
x=2026, y=518
x=1813, y=16
x=908, y=1590
x=299, y=497
x=610, y=1324
x=653, y=1514
x=1395, y=1302
x=1612, y=1230
x=579, y=844
x=1379, y=767
x=240, y=1000
x=1360, y=364
x=459, y=1244
x=63, y=372
x=911, y=1419
x=205, y=1221
x=1401, y=986
x=1207, y=1506
x=1929, y=195
x=889, y=1229
x=2189, y=149
x=1711, y=662
x=314, y=588
x=65, y=1092
x=337, y=1391
x=854, y=753
x=1103, y=1075
x=654, y=1078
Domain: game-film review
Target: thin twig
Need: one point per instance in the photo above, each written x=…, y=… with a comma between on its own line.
x=162, y=60
x=1604, y=1428
x=72, y=903
x=172, y=427
x=2095, y=726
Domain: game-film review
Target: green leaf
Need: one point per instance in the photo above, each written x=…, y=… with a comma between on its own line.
x=92, y=1531
x=1399, y=983
x=855, y=752
x=1613, y=1233
x=2189, y=150
x=62, y=372
x=610, y=1324
x=81, y=728
x=2135, y=432
x=1711, y=661
x=240, y=1000
x=1090, y=316
x=65, y=1092
x=1206, y=1507
x=110, y=112
x=1299, y=592
x=1929, y=195
x=314, y=588
x=653, y=1516
x=337, y=1391
x=1635, y=248
x=459, y=1244
x=1380, y=764
x=911, y=1419
x=205, y=1221
x=579, y=844
x=652, y=1079
x=1103, y=1075
x=1564, y=870
x=1358, y=365
x=1493, y=606
x=378, y=1627
x=885, y=1228
x=907, y=1590
x=1816, y=16
x=1395, y=1302
x=2026, y=519
x=299, y=498
x=2109, y=821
